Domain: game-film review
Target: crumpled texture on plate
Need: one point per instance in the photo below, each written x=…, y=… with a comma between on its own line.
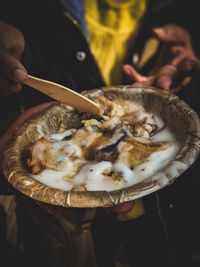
x=182, y=120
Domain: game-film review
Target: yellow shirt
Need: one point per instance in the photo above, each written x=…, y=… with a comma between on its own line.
x=112, y=29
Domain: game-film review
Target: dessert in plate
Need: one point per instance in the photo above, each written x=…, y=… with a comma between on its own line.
x=144, y=140
x=122, y=147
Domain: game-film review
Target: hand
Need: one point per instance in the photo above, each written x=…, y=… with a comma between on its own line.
x=175, y=62
x=12, y=72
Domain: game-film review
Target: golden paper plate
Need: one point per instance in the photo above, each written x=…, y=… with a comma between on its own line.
x=177, y=115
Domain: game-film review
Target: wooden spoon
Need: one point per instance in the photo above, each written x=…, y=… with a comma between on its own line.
x=63, y=94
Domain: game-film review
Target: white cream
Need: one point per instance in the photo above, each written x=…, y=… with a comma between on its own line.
x=157, y=161
x=92, y=175
x=125, y=172
x=164, y=135
x=159, y=122
x=149, y=117
x=175, y=168
x=53, y=179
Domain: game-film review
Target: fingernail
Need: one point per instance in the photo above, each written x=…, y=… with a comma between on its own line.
x=20, y=75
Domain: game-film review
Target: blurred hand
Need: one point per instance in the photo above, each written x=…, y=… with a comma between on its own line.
x=175, y=62
x=12, y=72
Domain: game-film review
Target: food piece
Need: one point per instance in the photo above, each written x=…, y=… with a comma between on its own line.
x=132, y=153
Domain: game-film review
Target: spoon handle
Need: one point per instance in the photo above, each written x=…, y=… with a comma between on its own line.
x=63, y=94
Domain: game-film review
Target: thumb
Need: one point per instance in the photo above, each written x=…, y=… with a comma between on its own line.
x=11, y=67
x=160, y=34
x=172, y=34
x=132, y=75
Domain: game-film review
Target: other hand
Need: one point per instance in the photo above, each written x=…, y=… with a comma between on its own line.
x=175, y=62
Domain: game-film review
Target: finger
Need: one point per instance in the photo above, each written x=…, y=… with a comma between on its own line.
x=173, y=34
x=186, y=54
x=11, y=67
x=168, y=36
x=160, y=34
x=181, y=85
x=189, y=65
x=149, y=82
x=13, y=89
x=164, y=82
x=166, y=76
x=179, y=53
x=8, y=87
x=132, y=75
x=176, y=60
x=177, y=49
